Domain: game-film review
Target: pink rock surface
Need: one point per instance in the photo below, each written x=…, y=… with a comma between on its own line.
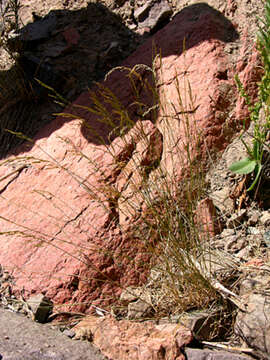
x=127, y=340
x=206, y=219
x=66, y=228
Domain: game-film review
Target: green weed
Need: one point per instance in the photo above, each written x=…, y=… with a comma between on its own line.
x=253, y=163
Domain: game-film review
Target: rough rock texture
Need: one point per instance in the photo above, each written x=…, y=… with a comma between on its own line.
x=21, y=338
x=82, y=39
x=253, y=325
x=196, y=354
x=153, y=14
x=206, y=219
x=126, y=340
x=66, y=223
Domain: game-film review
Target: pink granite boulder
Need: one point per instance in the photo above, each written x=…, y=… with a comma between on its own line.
x=66, y=218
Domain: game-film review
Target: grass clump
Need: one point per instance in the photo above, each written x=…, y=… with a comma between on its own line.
x=161, y=204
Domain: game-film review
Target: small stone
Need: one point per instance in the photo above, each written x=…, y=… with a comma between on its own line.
x=253, y=218
x=69, y=333
x=222, y=201
x=226, y=233
x=166, y=320
x=130, y=294
x=41, y=307
x=143, y=30
x=159, y=13
x=243, y=254
x=248, y=286
x=139, y=310
x=236, y=219
x=235, y=244
x=265, y=218
x=132, y=26
x=202, y=324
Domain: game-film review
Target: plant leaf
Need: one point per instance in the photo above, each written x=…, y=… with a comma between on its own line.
x=244, y=166
x=258, y=172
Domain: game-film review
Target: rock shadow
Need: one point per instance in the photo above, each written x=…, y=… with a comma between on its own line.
x=201, y=18
x=67, y=50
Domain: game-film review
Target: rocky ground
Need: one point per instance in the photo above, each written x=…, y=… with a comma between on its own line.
x=72, y=44
x=21, y=338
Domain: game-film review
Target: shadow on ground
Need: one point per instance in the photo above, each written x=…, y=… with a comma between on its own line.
x=103, y=43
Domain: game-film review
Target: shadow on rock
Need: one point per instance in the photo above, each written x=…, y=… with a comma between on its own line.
x=66, y=50
x=74, y=49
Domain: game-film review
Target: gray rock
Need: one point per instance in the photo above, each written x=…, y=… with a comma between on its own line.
x=202, y=324
x=244, y=254
x=235, y=244
x=141, y=308
x=222, y=201
x=41, y=307
x=39, y=30
x=23, y=339
x=159, y=13
x=217, y=264
x=253, y=217
x=142, y=12
x=31, y=34
x=196, y=354
x=253, y=326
